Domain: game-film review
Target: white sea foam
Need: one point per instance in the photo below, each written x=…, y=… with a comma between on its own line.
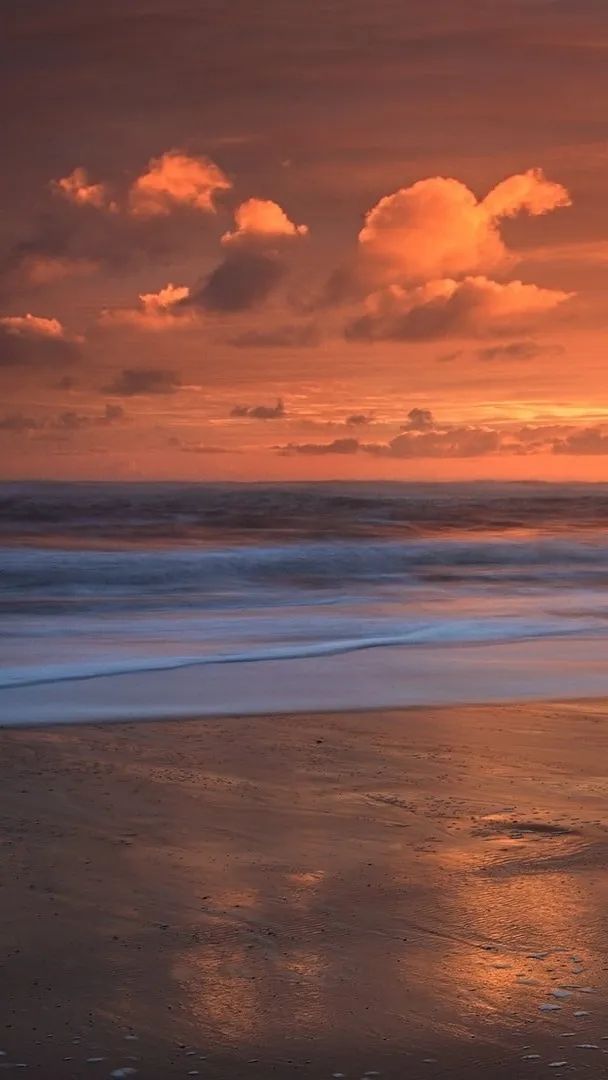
x=253, y=599
x=380, y=678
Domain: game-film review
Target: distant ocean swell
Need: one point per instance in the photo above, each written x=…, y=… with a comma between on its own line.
x=109, y=580
x=38, y=574
x=132, y=512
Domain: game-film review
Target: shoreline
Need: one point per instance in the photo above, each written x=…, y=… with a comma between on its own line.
x=566, y=703
x=388, y=891
x=387, y=678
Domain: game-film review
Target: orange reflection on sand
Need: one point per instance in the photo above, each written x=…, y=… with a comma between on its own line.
x=522, y=927
x=306, y=997
x=310, y=879
x=236, y=896
x=253, y=974
x=304, y=888
x=222, y=991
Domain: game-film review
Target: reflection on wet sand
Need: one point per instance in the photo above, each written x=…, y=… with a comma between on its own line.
x=427, y=910
x=353, y=892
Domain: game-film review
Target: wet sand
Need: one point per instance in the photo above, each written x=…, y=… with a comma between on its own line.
x=420, y=893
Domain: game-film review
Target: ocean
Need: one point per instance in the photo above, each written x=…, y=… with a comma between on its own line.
x=169, y=599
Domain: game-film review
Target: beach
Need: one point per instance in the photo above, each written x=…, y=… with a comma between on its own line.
x=304, y=540
x=417, y=893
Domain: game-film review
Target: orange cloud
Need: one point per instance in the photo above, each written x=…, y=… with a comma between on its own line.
x=529, y=191
x=175, y=179
x=473, y=307
x=587, y=441
x=346, y=446
x=437, y=228
x=67, y=421
x=284, y=336
x=453, y=442
x=424, y=437
x=164, y=299
x=133, y=382
x=156, y=312
x=262, y=219
x=33, y=338
x=47, y=269
x=243, y=280
x=76, y=188
x=260, y=412
x=32, y=326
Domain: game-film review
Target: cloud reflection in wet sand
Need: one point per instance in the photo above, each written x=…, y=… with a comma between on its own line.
x=340, y=890
x=391, y=913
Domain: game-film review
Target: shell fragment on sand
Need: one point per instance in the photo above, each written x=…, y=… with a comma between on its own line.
x=581, y=1012
x=557, y=1064
x=547, y=1007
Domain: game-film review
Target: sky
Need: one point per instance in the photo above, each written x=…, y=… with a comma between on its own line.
x=290, y=240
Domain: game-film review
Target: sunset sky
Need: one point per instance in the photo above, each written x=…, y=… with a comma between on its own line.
x=304, y=239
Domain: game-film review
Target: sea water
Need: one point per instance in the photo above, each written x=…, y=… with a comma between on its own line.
x=142, y=600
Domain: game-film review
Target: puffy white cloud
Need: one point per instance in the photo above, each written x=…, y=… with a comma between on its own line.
x=475, y=306
x=77, y=188
x=32, y=326
x=177, y=180
x=530, y=192
x=34, y=338
x=262, y=220
x=156, y=312
x=438, y=228
x=165, y=299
